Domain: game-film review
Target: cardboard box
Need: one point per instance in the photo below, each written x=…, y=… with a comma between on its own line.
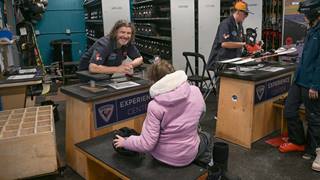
x=27, y=142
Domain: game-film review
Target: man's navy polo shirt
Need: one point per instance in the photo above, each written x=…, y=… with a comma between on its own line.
x=228, y=31
x=105, y=52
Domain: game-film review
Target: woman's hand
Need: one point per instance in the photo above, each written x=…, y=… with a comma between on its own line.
x=118, y=142
x=313, y=94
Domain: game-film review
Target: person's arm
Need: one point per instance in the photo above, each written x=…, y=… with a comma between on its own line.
x=315, y=82
x=233, y=45
x=135, y=55
x=123, y=68
x=225, y=37
x=150, y=133
x=137, y=61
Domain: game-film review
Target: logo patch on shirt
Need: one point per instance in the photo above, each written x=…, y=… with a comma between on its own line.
x=226, y=36
x=98, y=56
x=125, y=53
x=234, y=33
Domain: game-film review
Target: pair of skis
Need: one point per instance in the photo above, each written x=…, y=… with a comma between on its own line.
x=243, y=60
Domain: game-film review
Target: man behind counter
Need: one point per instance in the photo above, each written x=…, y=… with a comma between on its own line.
x=108, y=53
x=228, y=42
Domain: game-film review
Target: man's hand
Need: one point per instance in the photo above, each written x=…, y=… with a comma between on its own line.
x=119, y=141
x=313, y=94
x=233, y=45
x=125, y=68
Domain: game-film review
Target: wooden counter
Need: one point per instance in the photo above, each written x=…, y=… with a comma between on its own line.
x=13, y=92
x=92, y=114
x=104, y=162
x=245, y=108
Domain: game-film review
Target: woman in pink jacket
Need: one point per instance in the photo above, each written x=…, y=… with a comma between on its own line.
x=170, y=131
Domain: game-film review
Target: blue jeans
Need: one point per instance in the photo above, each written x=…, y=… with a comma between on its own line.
x=300, y=95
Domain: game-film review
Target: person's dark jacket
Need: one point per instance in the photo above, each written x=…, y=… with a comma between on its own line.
x=308, y=73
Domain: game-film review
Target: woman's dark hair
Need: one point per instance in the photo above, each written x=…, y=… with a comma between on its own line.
x=119, y=24
x=159, y=69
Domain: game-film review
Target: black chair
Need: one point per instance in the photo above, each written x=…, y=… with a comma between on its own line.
x=216, y=68
x=203, y=80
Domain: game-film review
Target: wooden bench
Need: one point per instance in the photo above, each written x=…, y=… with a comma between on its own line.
x=279, y=106
x=104, y=163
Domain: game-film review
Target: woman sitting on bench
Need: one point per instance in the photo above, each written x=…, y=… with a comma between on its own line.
x=170, y=131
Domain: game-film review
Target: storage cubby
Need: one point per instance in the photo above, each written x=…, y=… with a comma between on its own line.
x=9, y=134
x=14, y=121
x=41, y=129
x=20, y=121
x=28, y=124
x=44, y=123
x=30, y=119
x=43, y=117
x=16, y=116
x=2, y=123
x=27, y=131
x=11, y=127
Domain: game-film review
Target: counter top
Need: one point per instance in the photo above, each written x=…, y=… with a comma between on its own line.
x=4, y=83
x=86, y=96
x=142, y=166
x=259, y=73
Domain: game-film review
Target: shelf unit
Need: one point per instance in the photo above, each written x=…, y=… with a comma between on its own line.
x=225, y=9
x=272, y=16
x=153, y=24
x=93, y=20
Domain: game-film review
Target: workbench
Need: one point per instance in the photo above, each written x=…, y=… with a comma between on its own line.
x=13, y=91
x=91, y=114
x=245, y=107
x=103, y=162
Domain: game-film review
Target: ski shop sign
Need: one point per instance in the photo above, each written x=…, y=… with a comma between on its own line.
x=271, y=88
x=110, y=112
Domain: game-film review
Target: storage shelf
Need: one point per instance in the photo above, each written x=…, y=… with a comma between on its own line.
x=146, y=54
x=92, y=3
x=164, y=38
x=92, y=38
x=69, y=63
x=150, y=2
x=70, y=75
x=152, y=19
x=142, y=2
x=157, y=33
x=94, y=27
x=98, y=21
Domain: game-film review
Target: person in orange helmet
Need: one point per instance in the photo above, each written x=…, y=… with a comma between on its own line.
x=229, y=39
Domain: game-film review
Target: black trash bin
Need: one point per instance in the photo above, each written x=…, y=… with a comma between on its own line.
x=67, y=50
